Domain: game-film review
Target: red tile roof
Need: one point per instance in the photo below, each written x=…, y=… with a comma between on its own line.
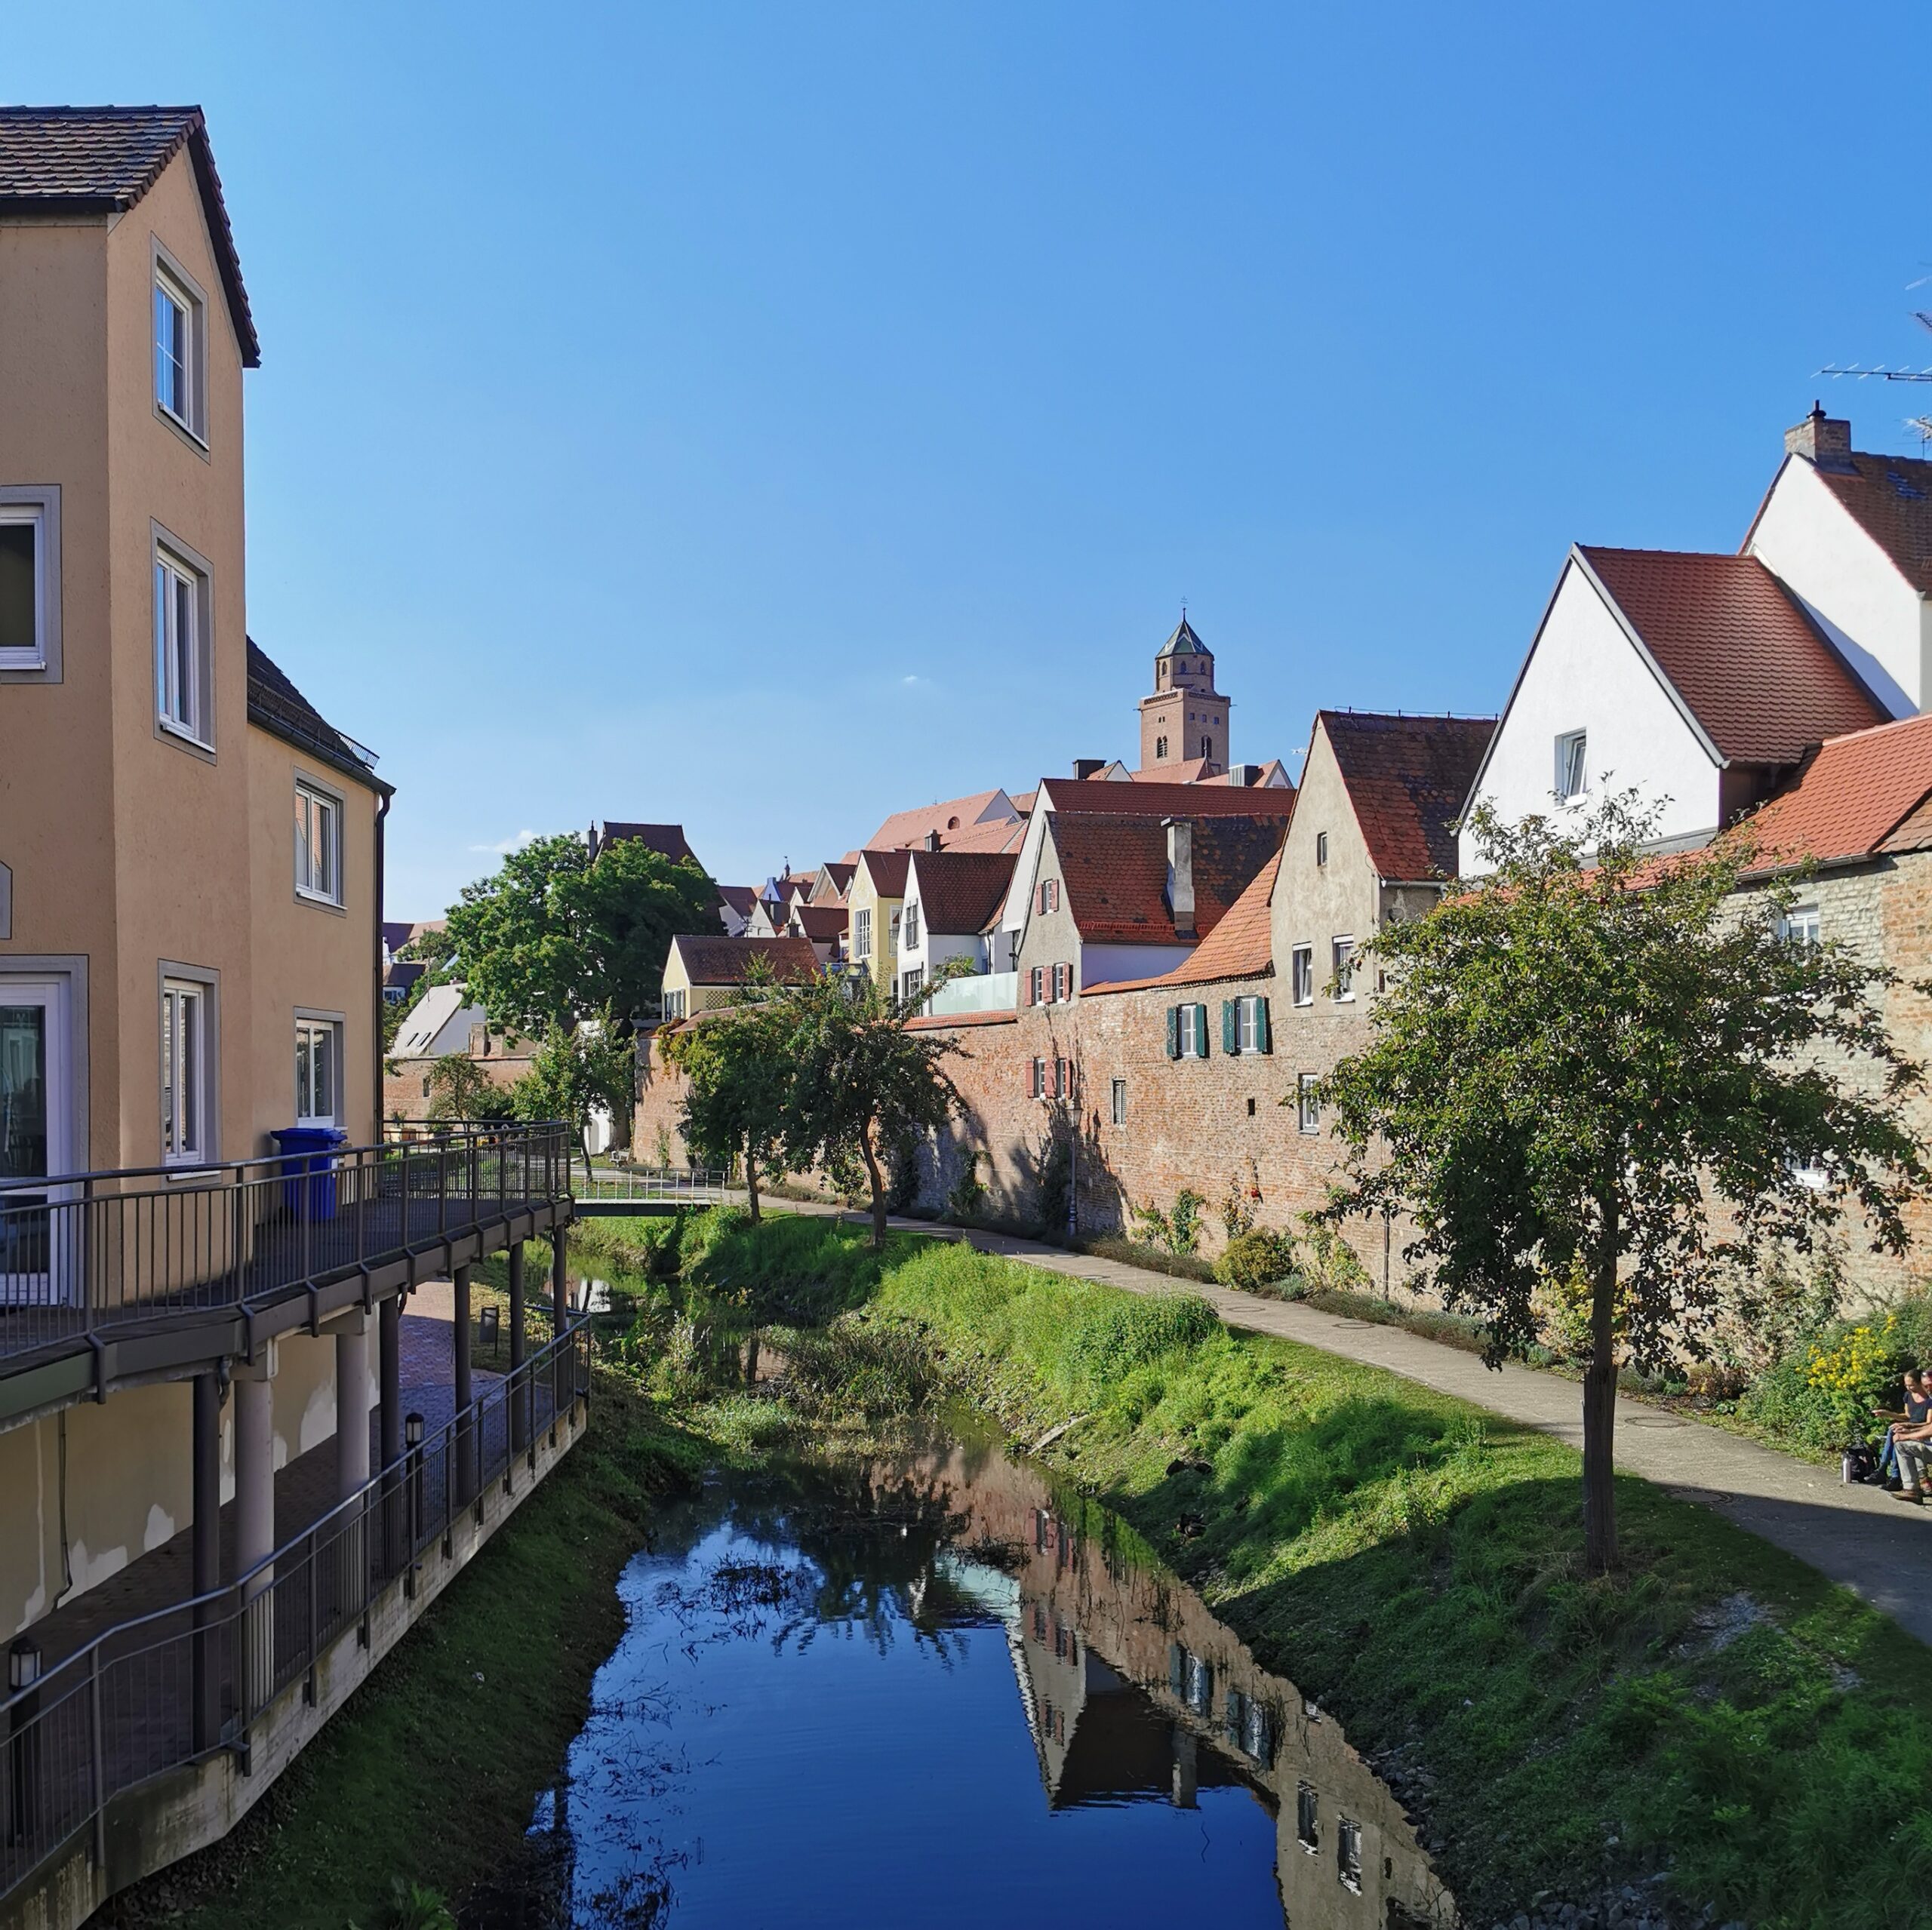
x=1063, y=795
x=1004, y=834
x=823, y=923
x=1853, y=794
x=102, y=160
x=666, y=839
x=1891, y=496
x=1408, y=778
x=1114, y=870
x=1185, y=770
x=1242, y=946
x=933, y=1021
x=904, y=829
x=886, y=870
x=727, y=961
x=959, y=891
x=1739, y=651
x=740, y=897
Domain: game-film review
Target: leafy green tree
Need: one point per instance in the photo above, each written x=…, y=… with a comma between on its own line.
x=1597, y=1062
x=553, y=939
x=460, y=1089
x=577, y=1072
x=738, y=1068
x=861, y=1081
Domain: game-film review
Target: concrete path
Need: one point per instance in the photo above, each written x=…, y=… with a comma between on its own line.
x=1879, y=1547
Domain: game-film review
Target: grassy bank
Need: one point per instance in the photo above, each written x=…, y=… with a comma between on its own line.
x=428, y=1774
x=1718, y=1710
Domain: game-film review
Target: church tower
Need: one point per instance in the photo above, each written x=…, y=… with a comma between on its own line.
x=1187, y=718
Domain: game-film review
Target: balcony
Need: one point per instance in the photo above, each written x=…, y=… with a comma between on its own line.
x=107, y=1277
x=978, y=991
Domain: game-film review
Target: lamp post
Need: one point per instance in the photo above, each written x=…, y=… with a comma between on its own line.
x=23, y=1736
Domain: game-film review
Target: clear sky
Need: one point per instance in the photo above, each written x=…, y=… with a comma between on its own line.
x=769, y=416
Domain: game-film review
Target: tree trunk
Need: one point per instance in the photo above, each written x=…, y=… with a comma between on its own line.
x=583, y=1146
x=878, y=1180
x=751, y=1182
x=1600, y=1400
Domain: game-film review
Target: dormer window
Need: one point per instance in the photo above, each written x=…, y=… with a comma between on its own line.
x=1572, y=766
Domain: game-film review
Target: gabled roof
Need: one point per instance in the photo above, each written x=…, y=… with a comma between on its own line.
x=1408, y=778
x=1855, y=795
x=276, y=706
x=904, y=829
x=1758, y=678
x=959, y=891
x=1890, y=497
x=823, y=923
x=102, y=160
x=1003, y=834
x=1115, y=873
x=740, y=897
x=1182, y=771
x=1183, y=642
x=1242, y=946
x=727, y=961
x=1062, y=795
x=887, y=871
x=666, y=839
x=835, y=878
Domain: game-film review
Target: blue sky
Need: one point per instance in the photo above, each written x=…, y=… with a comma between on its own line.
x=772, y=416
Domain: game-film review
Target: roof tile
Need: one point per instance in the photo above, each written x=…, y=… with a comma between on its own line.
x=1851, y=796
x=1408, y=778
x=1116, y=873
x=727, y=961
x=959, y=891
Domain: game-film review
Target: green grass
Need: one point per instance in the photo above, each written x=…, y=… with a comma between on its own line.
x=1414, y=1563
x=428, y=1774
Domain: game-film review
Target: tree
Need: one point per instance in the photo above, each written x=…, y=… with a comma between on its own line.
x=460, y=1089
x=577, y=1073
x=738, y=1068
x=860, y=1081
x=1601, y=1065
x=554, y=940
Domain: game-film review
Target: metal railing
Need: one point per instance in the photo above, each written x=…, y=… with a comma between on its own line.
x=84, y=1252
x=700, y=1185
x=170, y=1688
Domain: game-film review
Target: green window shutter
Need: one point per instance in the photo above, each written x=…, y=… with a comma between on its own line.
x=1173, y=1031
x=1200, y=1029
x=1264, y=1040
x=1230, y=1027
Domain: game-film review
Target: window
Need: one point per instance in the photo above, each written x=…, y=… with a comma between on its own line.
x=1810, y=1172
x=1345, y=968
x=895, y=935
x=1247, y=1023
x=1062, y=982
x=181, y=679
x=1160, y=750
x=1036, y=1078
x=1187, y=1031
x=1049, y=895
x=1308, y=1104
x=909, y=982
x=30, y=581
x=910, y=929
x=1207, y=747
x=318, y=1058
x=861, y=931
x=183, y=1072
x=180, y=359
x=674, y=1004
x=1062, y=1078
x=1321, y=847
x=1572, y=769
x=1308, y=1818
x=1120, y=1102
x=1036, y=985
x=318, y=845
x=1801, y=926
x=1301, y=972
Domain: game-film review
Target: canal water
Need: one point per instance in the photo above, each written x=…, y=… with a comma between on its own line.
x=938, y=1691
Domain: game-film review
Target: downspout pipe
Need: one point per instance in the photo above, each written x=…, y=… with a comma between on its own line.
x=376, y=1043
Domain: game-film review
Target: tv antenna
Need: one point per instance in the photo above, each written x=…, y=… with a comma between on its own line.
x=1923, y=318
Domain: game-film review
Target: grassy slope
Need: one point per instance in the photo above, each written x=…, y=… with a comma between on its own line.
x=429, y=1772
x=1414, y=1563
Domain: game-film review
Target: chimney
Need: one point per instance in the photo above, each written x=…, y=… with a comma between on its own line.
x=1180, y=875
x=932, y=840
x=1085, y=767
x=1824, y=439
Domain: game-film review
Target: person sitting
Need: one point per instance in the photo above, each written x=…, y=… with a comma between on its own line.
x=1916, y=1412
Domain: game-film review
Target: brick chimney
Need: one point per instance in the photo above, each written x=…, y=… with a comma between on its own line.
x=1180, y=875
x=1824, y=439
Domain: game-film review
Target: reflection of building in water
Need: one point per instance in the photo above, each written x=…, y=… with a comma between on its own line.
x=1132, y=1688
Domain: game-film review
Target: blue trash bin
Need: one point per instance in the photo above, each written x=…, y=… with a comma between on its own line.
x=307, y=1169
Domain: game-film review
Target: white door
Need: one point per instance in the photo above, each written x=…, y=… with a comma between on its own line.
x=36, y=1247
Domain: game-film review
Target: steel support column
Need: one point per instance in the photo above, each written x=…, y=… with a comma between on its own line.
x=395, y=1503
x=560, y=1371
x=466, y=1420
x=519, y=1392
x=206, y=1483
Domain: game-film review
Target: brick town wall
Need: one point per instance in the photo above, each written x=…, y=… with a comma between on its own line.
x=403, y=1095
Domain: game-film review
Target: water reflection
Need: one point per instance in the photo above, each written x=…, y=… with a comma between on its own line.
x=935, y=1692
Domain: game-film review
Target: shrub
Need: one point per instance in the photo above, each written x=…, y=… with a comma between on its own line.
x=1329, y=1260
x=1255, y=1259
x=1179, y=1231
x=1112, y=1336
x=968, y=1195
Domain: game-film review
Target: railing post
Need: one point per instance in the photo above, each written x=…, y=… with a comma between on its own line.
x=559, y=1325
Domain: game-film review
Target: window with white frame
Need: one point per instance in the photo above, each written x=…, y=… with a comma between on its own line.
x=1194, y=1032
x=910, y=931
x=1036, y=985
x=861, y=931
x=28, y=588
x=1249, y=1033
x=179, y=351
x=1801, y=926
x=1301, y=973
x=184, y=1072
x=1308, y=1103
x=318, y=1063
x=1321, y=847
x=183, y=701
x=1345, y=968
x=894, y=935
x=318, y=845
x=1572, y=766
x=1062, y=982
x=675, y=1003
x=1120, y=1102
x=910, y=981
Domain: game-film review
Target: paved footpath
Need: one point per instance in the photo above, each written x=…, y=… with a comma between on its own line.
x=1879, y=1548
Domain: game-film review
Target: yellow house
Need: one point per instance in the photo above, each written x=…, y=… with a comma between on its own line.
x=703, y=974
x=875, y=900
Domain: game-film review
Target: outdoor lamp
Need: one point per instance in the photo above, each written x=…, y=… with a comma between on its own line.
x=489, y=1324
x=412, y=1430
x=22, y=1664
